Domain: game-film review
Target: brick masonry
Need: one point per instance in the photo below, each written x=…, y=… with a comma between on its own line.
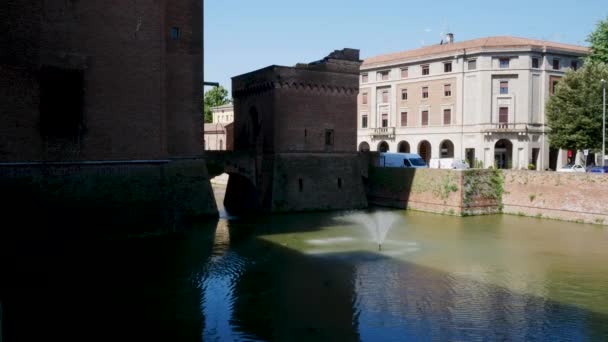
x=297, y=123
x=142, y=89
x=580, y=197
x=453, y=192
x=106, y=198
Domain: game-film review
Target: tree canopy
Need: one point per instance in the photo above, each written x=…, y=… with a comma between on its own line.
x=599, y=43
x=574, y=112
x=214, y=97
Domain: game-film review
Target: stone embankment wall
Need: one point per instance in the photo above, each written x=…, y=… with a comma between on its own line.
x=454, y=192
x=105, y=198
x=580, y=197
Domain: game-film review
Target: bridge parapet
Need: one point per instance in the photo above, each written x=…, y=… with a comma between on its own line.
x=241, y=162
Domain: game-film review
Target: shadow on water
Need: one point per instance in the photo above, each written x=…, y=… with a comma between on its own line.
x=82, y=290
x=222, y=281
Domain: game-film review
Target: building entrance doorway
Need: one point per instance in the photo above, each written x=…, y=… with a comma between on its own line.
x=383, y=146
x=503, y=154
x=424, y=150
x=470, y=157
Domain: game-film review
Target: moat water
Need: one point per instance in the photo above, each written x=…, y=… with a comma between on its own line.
x=318, y=277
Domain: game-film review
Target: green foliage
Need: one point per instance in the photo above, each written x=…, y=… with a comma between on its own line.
x=214, y=97
x=574, y=112
x=483, y=184
x=532, y=197
x=448, y=185
x=531, y=166
x=599, y=43
x=478, y=164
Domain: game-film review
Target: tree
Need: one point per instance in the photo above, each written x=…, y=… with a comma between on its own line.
x=599, y=43
x=214, y=97
x=574, y=112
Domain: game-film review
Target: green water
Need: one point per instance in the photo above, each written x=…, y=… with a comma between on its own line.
x=319, y=277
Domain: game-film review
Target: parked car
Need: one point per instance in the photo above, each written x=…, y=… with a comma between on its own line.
x=406, y=160
x=447, y=163
x=572, y=168
x=599, y=169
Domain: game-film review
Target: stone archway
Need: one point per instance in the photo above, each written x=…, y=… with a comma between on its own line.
x=403, y=147
x=424, y=150
x=446, y=149
x=383, y=146
x=503, y=154
x=363, y=147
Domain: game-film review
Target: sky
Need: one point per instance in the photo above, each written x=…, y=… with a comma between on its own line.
x=245, y=35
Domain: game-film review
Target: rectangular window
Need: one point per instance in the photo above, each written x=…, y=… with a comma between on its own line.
x=472, y=64
x=364, y=78
x=503, y=117
x=385, y=96
x=404, y=72
x=535, y=63
x=329, y=137
x=425, y=92
x=425, y=69
x=403, y=94
x=384, y=120
x=504, y=87
x=573, y=65
x=364, y=121
x=364, y=98
x=175, y=33
x=555, y=64
x=447, y=90
x=425, y=118
x=382, y=75
x=447, y=67
x=504, y=63
x=61, y=102
x=447, y=116
x=403, y=119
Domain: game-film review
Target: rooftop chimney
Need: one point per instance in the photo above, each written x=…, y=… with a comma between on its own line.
x=449, y=38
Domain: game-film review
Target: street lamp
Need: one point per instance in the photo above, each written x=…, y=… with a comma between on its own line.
x=603, y=122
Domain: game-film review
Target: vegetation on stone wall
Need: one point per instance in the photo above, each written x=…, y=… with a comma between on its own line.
x=483, y=184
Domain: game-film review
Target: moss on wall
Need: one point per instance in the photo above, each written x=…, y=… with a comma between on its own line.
x=483, y=187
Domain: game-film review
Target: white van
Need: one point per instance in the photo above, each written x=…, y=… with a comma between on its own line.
x=406, y=160
x=447, y=163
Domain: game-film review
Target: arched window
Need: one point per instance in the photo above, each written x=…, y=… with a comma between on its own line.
x=363, y=147
x=383, y=146
x=403, y=147
x=446, y=149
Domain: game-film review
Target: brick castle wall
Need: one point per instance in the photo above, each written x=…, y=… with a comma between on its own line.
x=142, y=89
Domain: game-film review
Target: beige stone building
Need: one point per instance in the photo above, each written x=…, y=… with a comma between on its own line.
x=218, y=134
x=481, y=100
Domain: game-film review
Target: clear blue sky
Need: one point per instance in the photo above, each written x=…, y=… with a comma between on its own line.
x=245, y=35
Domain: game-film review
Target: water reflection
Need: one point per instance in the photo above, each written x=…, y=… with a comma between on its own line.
x=459, y=279
x=316, y=277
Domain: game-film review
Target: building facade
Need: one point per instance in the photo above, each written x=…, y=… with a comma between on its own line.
x=218, y=135
x=480, y=100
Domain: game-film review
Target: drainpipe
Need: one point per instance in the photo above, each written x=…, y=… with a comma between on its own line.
x=462, y=149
